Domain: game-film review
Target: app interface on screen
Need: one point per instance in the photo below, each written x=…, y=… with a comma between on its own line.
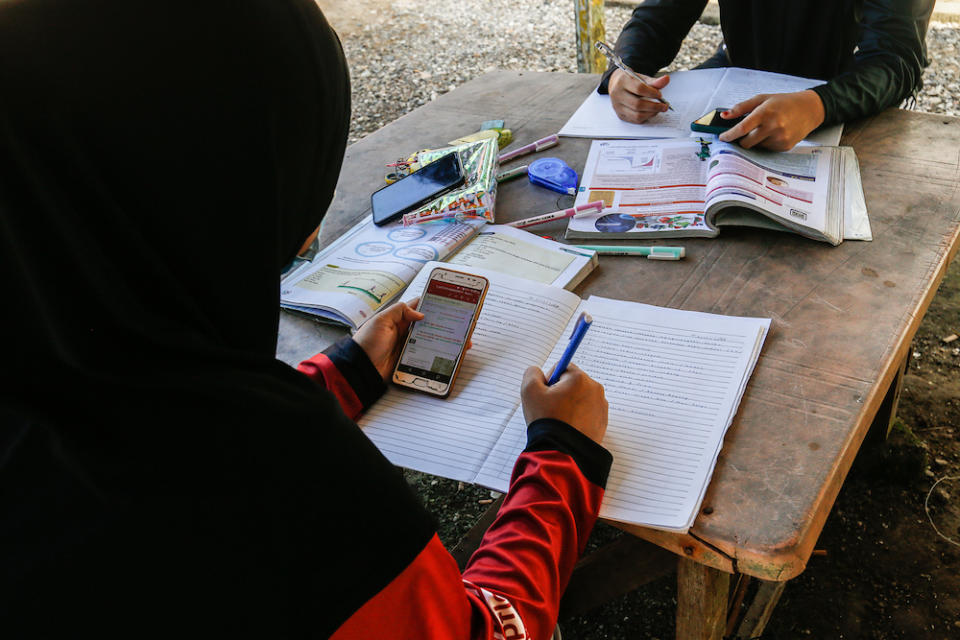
x=435, y=341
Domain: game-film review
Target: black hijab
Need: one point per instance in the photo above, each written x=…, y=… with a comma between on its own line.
x=160, y=471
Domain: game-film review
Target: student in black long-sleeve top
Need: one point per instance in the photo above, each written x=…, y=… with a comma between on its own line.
x=870, y=52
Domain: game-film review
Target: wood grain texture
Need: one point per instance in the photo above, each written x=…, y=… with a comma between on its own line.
x=843, y=317
x=702, y=594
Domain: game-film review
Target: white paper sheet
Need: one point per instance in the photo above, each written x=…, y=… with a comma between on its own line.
x=674, y=380
x=691, y=94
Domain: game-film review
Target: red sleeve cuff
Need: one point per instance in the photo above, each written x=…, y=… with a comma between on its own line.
x=346, y=371
x=321, y=370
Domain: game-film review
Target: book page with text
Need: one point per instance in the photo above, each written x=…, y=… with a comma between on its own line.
x=520, y=253
x=368, y=267
x=674, y=380
x=647, y=186
x=451, y=437
x=793, y=185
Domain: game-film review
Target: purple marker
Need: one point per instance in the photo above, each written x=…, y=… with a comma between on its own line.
x=533, y=147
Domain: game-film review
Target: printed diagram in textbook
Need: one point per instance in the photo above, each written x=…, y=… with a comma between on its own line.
x=649, y=186
x=373, y=287
x=367, y=267
x=667, y=187
x=618, y=160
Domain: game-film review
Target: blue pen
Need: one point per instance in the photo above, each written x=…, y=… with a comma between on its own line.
x=579, y=330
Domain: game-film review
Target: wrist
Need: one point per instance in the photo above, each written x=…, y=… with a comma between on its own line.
x=356, y=366
x=813, y=107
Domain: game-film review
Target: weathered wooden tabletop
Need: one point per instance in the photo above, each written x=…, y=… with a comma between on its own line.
x=843, y=317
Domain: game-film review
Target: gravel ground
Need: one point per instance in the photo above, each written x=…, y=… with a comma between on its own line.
x=425, y=48
x=409, y=42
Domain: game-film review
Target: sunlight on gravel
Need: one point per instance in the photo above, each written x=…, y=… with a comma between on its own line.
x=417, y=50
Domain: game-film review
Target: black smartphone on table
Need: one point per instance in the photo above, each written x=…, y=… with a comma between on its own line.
x=415, y=190
x=713, y=122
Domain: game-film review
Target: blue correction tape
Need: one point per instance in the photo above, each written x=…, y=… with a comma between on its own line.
x=554, y=174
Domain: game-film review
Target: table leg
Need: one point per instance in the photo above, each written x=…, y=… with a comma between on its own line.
x=758, y=614
x=702, y=594
x=887, y=413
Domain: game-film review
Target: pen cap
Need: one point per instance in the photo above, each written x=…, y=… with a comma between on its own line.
x=553, y=174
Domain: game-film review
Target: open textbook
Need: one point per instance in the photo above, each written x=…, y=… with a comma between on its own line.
x=673, y=379
x=368, y=266
x=691, y=94
x=668, y=188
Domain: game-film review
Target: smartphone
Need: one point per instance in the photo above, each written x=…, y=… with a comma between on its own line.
x=415, y=190
x=712, y=122
x=434, y=348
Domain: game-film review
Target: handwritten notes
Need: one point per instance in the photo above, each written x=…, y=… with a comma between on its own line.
x=673, y=379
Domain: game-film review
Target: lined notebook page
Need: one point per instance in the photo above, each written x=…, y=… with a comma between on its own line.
x=673, y=380
x=517, y=328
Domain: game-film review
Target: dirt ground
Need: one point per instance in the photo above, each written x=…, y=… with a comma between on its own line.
x=884, y=572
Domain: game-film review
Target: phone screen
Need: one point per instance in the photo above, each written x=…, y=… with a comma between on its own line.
x=436, y=342
x=416, y=189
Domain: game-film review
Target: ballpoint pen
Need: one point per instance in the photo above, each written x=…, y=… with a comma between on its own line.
x=579, y=330
x=607, y=50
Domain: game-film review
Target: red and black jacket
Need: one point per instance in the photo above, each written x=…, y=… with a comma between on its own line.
x=511, y=587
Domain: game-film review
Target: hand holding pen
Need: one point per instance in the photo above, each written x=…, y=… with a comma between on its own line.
x=635, y=97
x=570, y=396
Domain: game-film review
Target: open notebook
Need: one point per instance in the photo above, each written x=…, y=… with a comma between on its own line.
x=673, y=380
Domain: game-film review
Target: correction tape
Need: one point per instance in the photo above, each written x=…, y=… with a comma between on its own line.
x=554, y=174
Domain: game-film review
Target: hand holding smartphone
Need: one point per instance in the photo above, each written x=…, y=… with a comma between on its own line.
x=417, y=189
x=435, y=346
x=713, y=122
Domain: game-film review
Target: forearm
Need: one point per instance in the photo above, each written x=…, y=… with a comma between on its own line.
x=528, y=554
x=653, y=35
x=888, y=66
x=345, y=370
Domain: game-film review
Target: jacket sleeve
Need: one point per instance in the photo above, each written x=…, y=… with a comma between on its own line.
x=512, y=585
x=888, y=64
x=345, y=370
x=653, y=35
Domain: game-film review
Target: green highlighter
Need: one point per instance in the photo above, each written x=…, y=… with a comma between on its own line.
x=652, y=253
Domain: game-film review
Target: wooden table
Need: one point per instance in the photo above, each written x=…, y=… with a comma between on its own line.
x=843, y=318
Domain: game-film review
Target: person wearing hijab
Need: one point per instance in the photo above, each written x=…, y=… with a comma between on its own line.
x=161, y=473
x=871, y=53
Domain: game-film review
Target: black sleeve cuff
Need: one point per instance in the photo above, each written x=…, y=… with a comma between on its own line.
x=548, y=434
x=353, y=364
x=829, y=105
x=604, y=87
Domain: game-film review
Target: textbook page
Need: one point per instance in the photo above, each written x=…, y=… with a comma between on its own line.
x=516, y=252
x=518, y=326
x=691, y=94
x=367, y=267
x=674, y=380
x=648, y=188
x=794, y=186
